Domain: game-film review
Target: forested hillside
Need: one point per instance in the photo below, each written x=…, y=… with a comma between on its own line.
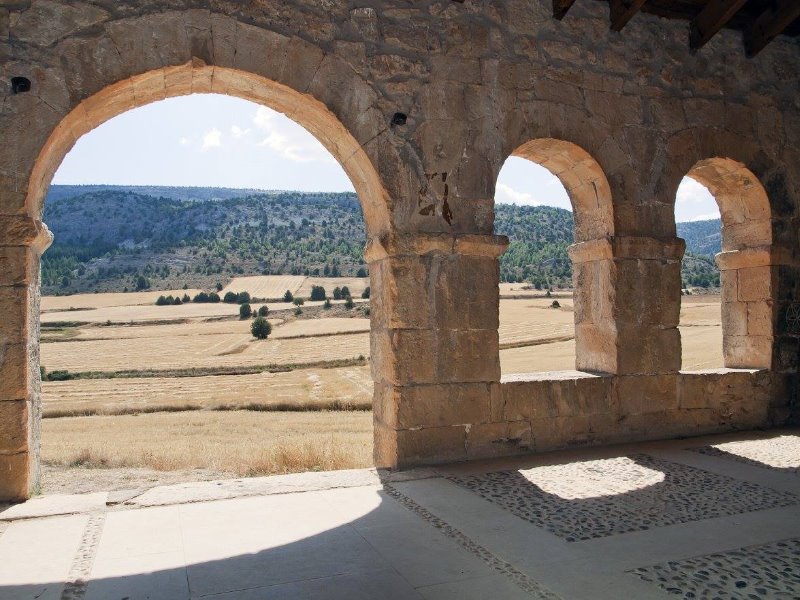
x=117, y=238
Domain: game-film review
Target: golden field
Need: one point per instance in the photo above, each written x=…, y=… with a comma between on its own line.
x=292, y=420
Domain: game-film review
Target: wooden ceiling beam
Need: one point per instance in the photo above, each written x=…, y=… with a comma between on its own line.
x=769, y=25
x=560, y=8
x=622, y=11
x=714, y=16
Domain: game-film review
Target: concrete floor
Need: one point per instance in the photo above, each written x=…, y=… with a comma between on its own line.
x=715, y=517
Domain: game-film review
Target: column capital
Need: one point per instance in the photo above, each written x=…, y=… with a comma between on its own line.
x=630, y=247
x=418, y=244
x=16, y=230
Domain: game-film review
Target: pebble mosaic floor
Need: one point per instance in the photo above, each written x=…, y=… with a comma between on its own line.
x=600, y=498
x=769, y=571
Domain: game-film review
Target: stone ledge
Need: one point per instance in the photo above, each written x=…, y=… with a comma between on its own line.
x=417, y=244
x=552, y=376
x=24, y=231
x=630, y=247
x=764, y=256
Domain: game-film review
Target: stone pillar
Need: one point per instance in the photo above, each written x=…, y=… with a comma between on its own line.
x=627, y=304
x=749, y=282
x=22, y=241
x=434, y=345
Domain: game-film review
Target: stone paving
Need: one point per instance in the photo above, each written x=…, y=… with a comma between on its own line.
x=658, y=520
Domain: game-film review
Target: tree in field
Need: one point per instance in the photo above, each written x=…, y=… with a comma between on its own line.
x=263, y=311
x=186, y=298
x=230, y=297
x=327, y=304
x=365, y=293
x=213, y=297
x=245, y=311
x=345, y=292
x=299, y=302
x=288, y=296
x=142, y=283
x=260, y=328
x=337, y=293
x=161, y=301
x=243, y=297
x=219, y=286
x=318, y=292
x=362, y=272
x=348, y=303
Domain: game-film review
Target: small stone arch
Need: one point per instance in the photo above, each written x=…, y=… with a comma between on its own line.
x=747, y=261
x=592, y=253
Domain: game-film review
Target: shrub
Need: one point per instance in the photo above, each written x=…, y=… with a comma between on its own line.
x=243, y=297
x=201, y=298
x=263, y=311
x=366, y=312
x=177, y=301
x=362, y=272
x=288, y=296
x=365, y=293
x=318, y=292
x=345, y=292
x=348, y=304
x=298, y=311
x=213, y=297
x=161, y=301
x=327, y=304
x=142, y=283
x=231, y=298
x=219, y=286
x=555, y=304
x=260, y=328
x=337, y=293
x=186, y=298
x=245, y=311
x=299, y=302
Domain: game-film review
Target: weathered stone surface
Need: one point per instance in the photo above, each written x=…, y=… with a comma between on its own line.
x=14, y=426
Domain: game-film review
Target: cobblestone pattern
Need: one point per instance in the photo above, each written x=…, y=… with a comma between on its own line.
x=600, y=498
x=78, y=578
x=779, y=454
x=506, y=569
x=752, y=573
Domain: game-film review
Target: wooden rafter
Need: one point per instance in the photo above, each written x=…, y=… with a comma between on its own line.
x=770, y=24
x=560, y=8
x=711, y=19
x=622, y=11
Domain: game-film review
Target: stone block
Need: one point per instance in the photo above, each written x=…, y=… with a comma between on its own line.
x=18, y=266
x=14, y=372
x=490, y=440
x=642, y=394
x=755, y=284
x=734, y=317
x=436, y=405
x=596, y=347
x=747, y=351
x=760, y=318
x=419, y=446
x=643, y=350
x=14, y=426
x=15, y=307
x=15, y=477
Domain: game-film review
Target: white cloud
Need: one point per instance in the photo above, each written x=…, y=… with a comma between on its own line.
x=212, y=139
x=691, y=191
x=184, y=141
x=508, y=195
x=238, y=133
x=288, y=139
x=705, y=217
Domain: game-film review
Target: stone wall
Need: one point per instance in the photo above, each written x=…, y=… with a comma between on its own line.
x=422, y=103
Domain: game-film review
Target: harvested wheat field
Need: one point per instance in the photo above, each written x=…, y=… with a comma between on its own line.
x=265, y=286
x=105, y=300
x=356, y=285
x=213, y=351
x=306, y=389
x=535, y=321
x=239, y=442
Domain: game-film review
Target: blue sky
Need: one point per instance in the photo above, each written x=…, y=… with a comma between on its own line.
x=222, y=141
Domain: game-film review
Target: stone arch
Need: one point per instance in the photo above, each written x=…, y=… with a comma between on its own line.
x=747, y=261
x=197, y=77
x=591, y=254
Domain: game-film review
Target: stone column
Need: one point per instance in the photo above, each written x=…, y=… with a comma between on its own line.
x=627, y=304
x=749, y=283
x=434, y=345
x=22, y=241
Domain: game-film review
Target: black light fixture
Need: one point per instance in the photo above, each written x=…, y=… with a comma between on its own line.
x=20, y=84
x=399, y=118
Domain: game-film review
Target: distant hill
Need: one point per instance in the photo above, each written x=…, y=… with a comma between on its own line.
x=112, y=238
x=702, y=237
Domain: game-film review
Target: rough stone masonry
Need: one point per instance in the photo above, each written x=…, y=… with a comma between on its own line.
x=422, y=103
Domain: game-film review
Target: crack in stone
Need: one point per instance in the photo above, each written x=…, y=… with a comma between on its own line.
x=78, y=578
